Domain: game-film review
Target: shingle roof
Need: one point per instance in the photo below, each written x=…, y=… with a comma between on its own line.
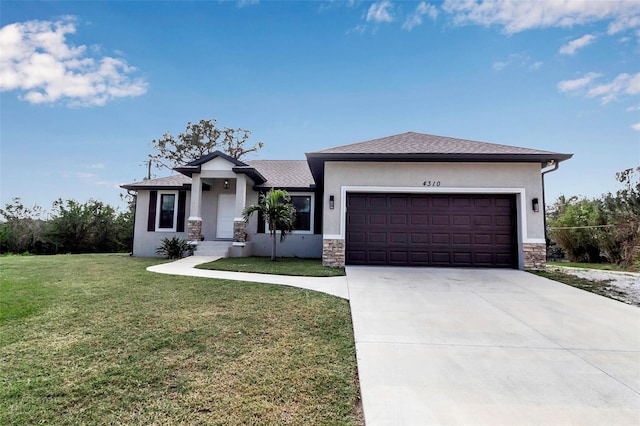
x=284, y=173
x=169, y=182
x=291, y=174
x=420, y=143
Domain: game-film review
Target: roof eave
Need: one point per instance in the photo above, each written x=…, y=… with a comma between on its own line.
x=138, y=187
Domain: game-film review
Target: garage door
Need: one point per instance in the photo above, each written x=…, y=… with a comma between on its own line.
x=431, y=230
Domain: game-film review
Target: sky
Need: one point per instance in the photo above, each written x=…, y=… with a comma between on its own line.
x=86, y=86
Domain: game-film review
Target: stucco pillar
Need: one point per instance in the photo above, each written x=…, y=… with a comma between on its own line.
x=239, y=227
x=194, y=223
x=241, y=195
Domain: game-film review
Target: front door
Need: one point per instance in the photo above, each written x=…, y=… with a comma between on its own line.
x=226, y=213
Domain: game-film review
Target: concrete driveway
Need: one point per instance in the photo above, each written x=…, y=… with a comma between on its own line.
x=471, y=346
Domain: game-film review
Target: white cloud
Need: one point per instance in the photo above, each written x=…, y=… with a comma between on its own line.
x=358, y=29
x=633, y=108
x=96, y=166
x=577, y=84
x=415, y=19
x=516, y=15
x=380, y=12
x=519, y=60
x=623, y=85
x=571, y=47
x=38, y=61
x=636, y=126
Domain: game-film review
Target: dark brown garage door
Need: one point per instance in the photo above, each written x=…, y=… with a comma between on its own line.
x=431, y=230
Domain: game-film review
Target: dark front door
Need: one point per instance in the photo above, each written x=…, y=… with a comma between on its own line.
x=431, y=230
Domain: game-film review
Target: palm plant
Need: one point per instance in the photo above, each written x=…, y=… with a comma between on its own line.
x=277, y=211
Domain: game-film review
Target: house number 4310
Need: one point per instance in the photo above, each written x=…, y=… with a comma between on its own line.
x=431, y=183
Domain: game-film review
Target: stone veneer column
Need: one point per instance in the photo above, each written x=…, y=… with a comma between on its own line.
x=239, y=231
x=194, y=230
x=535, y=256
x=333, y=253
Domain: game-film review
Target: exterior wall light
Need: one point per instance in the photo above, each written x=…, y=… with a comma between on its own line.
x=226, y=184
x=535, y=205
x=332, y=202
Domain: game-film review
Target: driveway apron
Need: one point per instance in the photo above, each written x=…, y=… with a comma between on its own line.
x=478, y=346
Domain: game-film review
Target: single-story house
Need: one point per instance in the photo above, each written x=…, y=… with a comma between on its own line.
x=411, y=199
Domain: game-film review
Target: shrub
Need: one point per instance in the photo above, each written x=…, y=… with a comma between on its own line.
x=174, y=248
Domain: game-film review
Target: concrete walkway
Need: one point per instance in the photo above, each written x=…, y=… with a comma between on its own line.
x=336, y=286
x=485, y=347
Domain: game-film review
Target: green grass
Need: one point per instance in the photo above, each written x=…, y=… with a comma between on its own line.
x=96, y=339
x=282, y=266
x=600, y=266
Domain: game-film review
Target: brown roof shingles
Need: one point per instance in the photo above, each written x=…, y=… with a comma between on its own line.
x=175, y=181
x=284, y=173
x=420, y=143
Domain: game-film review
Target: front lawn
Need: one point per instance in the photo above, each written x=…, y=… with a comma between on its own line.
x=96, y=339
x=282, y=266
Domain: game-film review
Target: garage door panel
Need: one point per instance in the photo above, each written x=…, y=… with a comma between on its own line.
x=377, y=219
x=419, y=219
x=377, y=237
x=356, y=237
x=441, y=258
x=428, y=229
x=439, y=220
x=398, y=219
x=484, y=220
x=462, y=239
x=357, y=219
x=377, y=256
x=461, y=220
x=398, y=237
x=400, y=257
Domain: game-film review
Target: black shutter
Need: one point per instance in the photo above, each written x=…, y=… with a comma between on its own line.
x=261, y=227
x=151, y=220
x=182, y=202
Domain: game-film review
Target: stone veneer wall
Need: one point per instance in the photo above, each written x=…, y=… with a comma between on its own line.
x=239, y=231
x=194, y=230
x=333, y=253
x=535, y=256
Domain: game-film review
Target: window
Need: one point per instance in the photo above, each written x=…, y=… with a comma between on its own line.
x=167, y=211
x=302, y=204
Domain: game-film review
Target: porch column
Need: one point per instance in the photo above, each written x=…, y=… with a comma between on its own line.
x=239, y=227
x=194, y=223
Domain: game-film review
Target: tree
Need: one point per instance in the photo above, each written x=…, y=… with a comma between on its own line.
x=277, y=210
x=198, y=140
x=622, y=211
x=574, y=227
x=22, y=229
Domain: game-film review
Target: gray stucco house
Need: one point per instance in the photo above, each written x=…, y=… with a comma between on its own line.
x=407, y=200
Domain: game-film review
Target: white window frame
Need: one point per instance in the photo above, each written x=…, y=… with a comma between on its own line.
x=312, y=204
x=311, y=217
x=159, y=211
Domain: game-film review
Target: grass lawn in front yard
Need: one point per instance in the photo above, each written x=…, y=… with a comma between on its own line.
x=96, y=339
x=282, y=266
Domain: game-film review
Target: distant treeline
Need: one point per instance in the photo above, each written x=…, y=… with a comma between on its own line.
x=70, y=227
x=600, y=229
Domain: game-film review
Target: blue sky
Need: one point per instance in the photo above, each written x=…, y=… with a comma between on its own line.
x=85, y=86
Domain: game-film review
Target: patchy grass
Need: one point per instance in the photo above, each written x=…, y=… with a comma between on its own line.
x=601, y=287
x=599, y=266
x=96, y=339
x=283, y=266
